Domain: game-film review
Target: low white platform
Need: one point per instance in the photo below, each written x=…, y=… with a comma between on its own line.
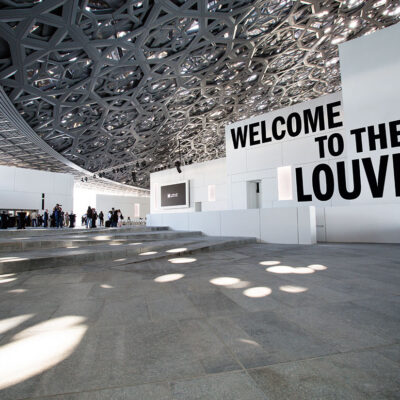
x=291, y=225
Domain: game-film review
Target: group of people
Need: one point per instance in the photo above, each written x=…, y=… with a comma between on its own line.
x=115, y=218
x=56, y=219
x=91, y=218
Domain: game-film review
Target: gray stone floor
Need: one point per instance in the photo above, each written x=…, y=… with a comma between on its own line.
x=257, y=322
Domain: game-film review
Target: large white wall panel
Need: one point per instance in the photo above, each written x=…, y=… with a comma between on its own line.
x=240, y=223
x=7, y=181
x=207, y=222
x=259, y=157
x=177, y=221
x=279, y=225
x=370, y=68
x=22, y=188
x=126, y=204
x=368, y=223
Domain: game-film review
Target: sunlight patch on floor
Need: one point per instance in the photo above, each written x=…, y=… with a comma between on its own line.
x=256, y=292
x=39, y=348
x=168, y=278
x=182, y=260
x=292, y=289
x=11, y=323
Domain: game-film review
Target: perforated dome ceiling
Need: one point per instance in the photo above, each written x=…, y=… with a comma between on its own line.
x=117, y=83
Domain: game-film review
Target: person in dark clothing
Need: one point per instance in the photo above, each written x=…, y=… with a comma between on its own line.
x=3, y=220
x=46, y=218
x=72, y=220
x=21, y=220
x=89, y=215
x=57, y=216
x=114, y=218
x=94, y=218
x=101, y=218
x=53, y=218
x=61, y=218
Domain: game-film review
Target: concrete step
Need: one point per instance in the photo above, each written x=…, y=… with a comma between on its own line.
x=29, y=243
x=212, y=244
x=131, y=252
x=31, y=232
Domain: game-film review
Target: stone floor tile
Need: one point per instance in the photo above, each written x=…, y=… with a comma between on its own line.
x=227, y=386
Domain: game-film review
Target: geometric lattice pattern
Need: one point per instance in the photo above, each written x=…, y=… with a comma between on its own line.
x=113, y=82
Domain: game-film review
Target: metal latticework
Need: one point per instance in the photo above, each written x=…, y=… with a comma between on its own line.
x=108, y=83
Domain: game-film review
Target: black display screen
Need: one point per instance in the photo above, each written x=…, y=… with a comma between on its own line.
x=173, y=195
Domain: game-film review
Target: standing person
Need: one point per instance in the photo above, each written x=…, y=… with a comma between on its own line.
x=4, y=220
x=53, y=218
x=34, y=218
x=27, y=219
x=120, y=218
x=101, y=218
x=40, y=220
x=115, y=218
x=61, y=218
x=89, y=217
x=46, y=218
x=66, y=219
x=72, y=217
x=94, y=217
x=21, y=220
x=57, y=215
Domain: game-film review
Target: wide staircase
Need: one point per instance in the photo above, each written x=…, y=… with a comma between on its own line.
x=30, y=249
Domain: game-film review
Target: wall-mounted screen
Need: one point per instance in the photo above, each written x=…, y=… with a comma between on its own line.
x=176, y=195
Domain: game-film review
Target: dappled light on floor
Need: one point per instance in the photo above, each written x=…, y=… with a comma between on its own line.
x=102, y=237
x=285, y=269
x=106, y=286
x=73, y=247
x=224, y=281
x=11, y=323
x=115, y=244
x=168, y=278
x=120, y=259
x=182, y=260
x=39, y=348
x=317, y=267
x=16, y=291
x=281, y=269
x=148, y=253
x=11, y=259
x=230, y=282
x=269, y=263
x=292, y=289
x=248, y=341
x=256, y=292
x=134, y=244
x=5, y=278
x=179, y=250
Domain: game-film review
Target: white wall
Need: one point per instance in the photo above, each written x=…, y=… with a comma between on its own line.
x=22, y=188
x=126, y=204
x=200, y=176
x=104, y=202
x=261, y=161
x=280, y=225
x=371, y=88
